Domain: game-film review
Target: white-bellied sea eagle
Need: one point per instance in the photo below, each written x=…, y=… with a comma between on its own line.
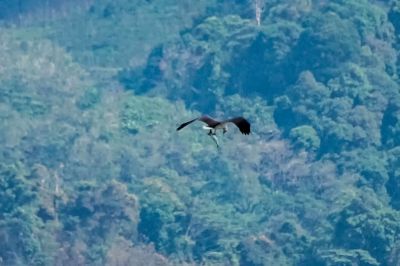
x=214, y=125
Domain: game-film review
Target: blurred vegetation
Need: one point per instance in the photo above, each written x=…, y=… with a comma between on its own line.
x=93, y=172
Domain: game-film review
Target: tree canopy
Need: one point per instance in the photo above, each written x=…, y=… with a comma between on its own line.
x=93, y=171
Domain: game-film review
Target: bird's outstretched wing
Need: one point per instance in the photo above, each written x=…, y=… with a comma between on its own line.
x=206, y=119
x=241, y=123
x=185, y=124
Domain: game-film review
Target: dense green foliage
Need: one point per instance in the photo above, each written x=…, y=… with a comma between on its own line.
x=92, y=171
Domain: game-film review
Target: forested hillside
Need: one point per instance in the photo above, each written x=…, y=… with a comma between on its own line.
x=93, y=171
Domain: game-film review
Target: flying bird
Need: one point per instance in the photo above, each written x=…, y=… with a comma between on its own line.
x=214, y=125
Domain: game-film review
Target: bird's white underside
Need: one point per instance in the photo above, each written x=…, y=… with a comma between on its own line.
x=223, y=127
x=213, y=131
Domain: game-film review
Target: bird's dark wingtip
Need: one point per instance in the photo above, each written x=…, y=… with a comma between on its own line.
x=246, y=131
x=185, y=124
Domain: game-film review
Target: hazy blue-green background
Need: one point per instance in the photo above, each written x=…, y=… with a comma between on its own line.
x=93, y=172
